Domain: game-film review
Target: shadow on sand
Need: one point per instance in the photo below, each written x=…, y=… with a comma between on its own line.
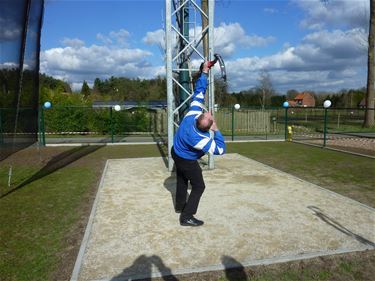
x=319, y=213
x=141, y=269
x=234, y=270
x=170, y=185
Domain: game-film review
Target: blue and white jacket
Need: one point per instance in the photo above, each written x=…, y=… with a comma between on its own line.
x=189, y=142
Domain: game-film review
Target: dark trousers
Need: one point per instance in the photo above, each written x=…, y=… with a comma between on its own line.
x=188, y=170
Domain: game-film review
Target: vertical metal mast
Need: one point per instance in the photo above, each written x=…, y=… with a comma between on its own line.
x=184, y=78
x=169, y=76
x=175, y=58
x=211, y=89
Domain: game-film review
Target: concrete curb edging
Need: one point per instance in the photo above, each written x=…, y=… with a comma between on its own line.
x=220, y=267
x=86, y=237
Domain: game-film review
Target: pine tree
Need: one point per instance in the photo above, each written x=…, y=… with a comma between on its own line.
x=85, y=90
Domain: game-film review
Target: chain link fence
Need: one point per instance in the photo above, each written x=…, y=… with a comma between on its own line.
x=103, y=125
x=251, y=123
x=336, y=128
x=63, y=124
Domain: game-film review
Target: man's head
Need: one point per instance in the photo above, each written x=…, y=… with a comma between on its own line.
x=205, y=121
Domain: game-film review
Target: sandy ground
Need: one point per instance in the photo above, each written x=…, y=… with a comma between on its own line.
x=253, y=214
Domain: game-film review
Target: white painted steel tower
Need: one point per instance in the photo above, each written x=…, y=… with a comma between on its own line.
x=189, y=28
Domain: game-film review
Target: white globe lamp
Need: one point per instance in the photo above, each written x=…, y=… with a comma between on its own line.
x=47, y=105
x=327, y=103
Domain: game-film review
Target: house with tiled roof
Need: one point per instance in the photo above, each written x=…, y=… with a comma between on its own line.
x=303, y=99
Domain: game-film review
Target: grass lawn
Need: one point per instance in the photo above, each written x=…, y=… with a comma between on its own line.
x=349, y=175
x=44, y=214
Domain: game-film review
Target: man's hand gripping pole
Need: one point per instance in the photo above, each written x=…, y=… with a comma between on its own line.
x=219, y=59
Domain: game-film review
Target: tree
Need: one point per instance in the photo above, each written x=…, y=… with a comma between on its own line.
x=85, y=90
x=277, y=101
x=54, y=84
x=221, y=90
x=97, y=86
x=291, y=94
x=265, y=87
x=370, y=94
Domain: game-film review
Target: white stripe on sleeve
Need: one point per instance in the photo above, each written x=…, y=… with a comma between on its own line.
x=197, y=103
x=200, y=95
x=202, y=143
x=212, y=147
x=193, y=112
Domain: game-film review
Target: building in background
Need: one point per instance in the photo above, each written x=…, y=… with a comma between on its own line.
x=303, y=99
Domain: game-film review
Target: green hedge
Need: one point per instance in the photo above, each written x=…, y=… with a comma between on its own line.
x=88, y=119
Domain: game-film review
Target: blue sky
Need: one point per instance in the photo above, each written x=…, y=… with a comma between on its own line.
x=303, y=45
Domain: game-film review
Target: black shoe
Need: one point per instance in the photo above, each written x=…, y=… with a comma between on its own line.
x=191, y=222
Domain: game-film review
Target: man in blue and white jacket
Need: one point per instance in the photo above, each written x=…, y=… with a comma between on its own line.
x=192, y=140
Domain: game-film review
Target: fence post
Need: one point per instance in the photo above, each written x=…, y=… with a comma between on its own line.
x=326, y=105
x=42, y=126
x=286, y=123
x=286, y=105
x=1, y=129
x=325, y=127
x=232, y=122
x=39, y=127
x=111, y=123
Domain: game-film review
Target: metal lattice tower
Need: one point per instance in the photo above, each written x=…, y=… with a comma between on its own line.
x=180, y=48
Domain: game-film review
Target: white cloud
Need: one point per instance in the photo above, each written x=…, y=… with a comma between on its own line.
x=228, y=38
x=321, y=50
x=10, y=24
x=76, y=86
x=339, y=44
x=96, y=59
x=87, y=63
x=156, y=37
x=324, y=59
x=120, y=36
x=339, y=13
x=76, y=62
x=270, y=11
x=333, y=59
x=74, y=43
x=8, y=65
x=284, y=79
x=8, y=34
x=104, y=39
x=117, y=38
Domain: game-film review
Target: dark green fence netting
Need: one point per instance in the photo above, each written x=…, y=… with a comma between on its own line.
x=20, y=28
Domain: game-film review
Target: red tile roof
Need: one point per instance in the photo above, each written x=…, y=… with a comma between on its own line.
x=300, y=96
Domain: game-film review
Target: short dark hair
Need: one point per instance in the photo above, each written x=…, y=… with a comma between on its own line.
x=201, y=67
x=203, y=127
